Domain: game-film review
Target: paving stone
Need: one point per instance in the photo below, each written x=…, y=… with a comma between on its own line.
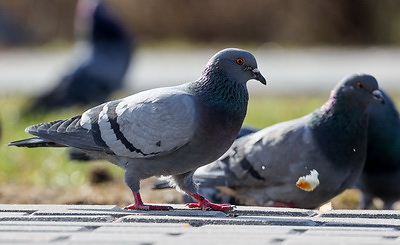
x=111, y=237
x=12, y=214
x=262, y=211
x=108, y=224
x=39, y=228
x=335, y=240
x=60, y=218
x=363, y=214
x=358, y=222
x=28, y=236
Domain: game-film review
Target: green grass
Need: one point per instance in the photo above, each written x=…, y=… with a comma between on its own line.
x=267, y=110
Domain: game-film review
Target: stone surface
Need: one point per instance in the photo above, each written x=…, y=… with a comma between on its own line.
x=107, y=224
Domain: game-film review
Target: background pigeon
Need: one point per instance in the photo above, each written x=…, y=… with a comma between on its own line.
x=262, y=168
x=381, y=175
x=104, y=59
x=164, y=131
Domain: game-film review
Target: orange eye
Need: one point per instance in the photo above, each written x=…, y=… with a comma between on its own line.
x=360, y=85
x=239, y=61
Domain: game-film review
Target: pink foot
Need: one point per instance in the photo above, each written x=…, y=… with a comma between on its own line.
x=147, y=207
x=204, y=204
x=138, y=205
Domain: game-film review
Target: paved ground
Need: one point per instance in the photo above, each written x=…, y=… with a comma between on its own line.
x=106, y=224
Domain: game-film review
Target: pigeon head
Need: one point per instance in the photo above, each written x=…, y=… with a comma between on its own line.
x=235, y=63
x=359, y=87
x=95, y=22
x=105, y=25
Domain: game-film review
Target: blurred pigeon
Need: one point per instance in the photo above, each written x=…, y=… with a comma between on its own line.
x=164, y=131
x=12, y=31
x=104, y=59
x=264, y=168
x=381, y=175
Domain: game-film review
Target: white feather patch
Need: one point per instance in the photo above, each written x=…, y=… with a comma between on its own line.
x=86, y=122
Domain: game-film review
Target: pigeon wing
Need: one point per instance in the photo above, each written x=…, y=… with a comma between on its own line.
x=143, y=125
x=258, y=159
x=150, y=123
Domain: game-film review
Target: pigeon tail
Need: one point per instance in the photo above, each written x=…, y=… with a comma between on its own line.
x=35, y=142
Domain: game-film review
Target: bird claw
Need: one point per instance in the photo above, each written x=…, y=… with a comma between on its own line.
x=204, y=204
x=211, y=206
x=147, y=207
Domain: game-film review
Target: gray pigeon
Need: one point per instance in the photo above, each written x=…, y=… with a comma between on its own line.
x=264, y=168
x=381, y=175
x=164, y=131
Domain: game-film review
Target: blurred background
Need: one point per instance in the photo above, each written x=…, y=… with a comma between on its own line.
x=303, y=48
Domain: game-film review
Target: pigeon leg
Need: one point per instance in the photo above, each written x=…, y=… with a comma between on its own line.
x=204, y=204
x=139, y=205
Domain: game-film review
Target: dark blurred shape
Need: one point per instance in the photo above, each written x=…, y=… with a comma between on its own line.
x=77, y=155
x=102, y=65
x=381, y=175
x=12, y=32
x=100, y=175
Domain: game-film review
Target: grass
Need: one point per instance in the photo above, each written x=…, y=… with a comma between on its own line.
x=45, y=175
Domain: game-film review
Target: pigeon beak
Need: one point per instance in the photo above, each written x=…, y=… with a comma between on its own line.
x=378, y=96
x=258, y=76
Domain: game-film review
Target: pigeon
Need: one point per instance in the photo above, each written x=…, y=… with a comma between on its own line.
x=104, y=58
x=381, y=175
x=163, y=131
x=264, y=168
